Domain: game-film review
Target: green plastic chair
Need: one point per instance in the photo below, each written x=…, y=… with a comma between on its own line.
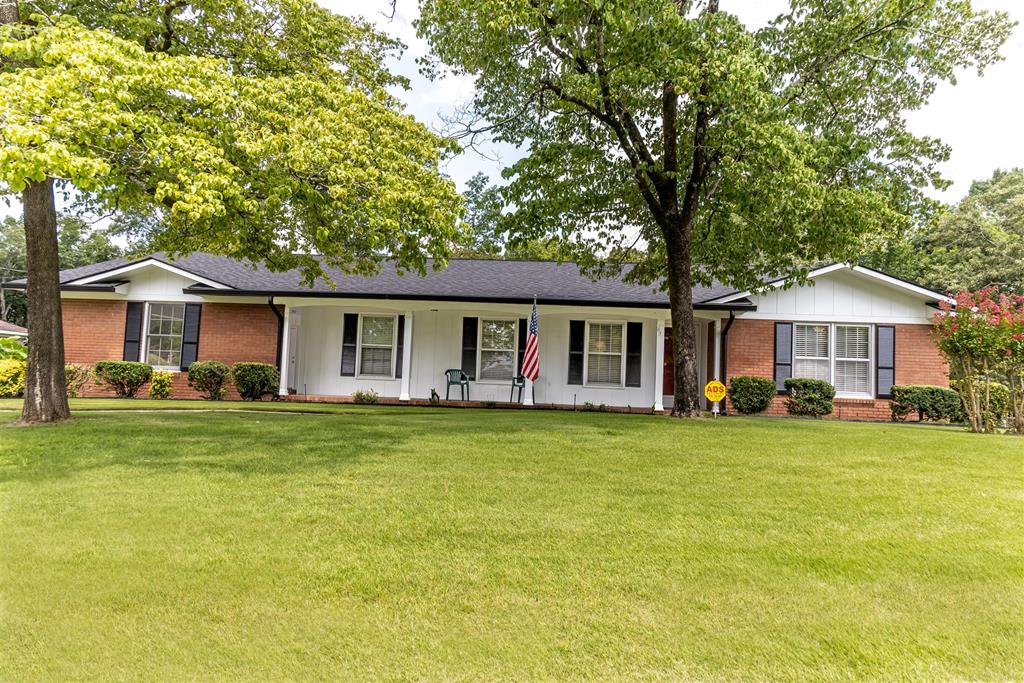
x=518, y=382
x=456, y=377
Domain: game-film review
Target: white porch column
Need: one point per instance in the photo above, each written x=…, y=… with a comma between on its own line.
x=406, y=357
x=718, y=349
x=282, y=390
x=528, y=392
x=659, y=366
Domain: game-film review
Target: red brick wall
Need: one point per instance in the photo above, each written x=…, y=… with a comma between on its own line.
x=751, y=346
x=230, y=333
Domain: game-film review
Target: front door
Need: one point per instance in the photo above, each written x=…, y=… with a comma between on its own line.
x=668, y=375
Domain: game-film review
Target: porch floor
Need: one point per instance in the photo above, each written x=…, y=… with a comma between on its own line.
x=390, y=401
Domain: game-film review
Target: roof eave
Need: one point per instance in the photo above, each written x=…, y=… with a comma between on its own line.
x=208, y=291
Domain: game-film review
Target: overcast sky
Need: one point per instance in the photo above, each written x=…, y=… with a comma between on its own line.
x=980, y=118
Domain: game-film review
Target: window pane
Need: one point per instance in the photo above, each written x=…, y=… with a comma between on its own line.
x=810, y=368
x=852, y=375
x=163, y=338
x=375, y=361
x=810, y=340
x=378, y=330
x=496, y=364
x=605, y=338
x=851, y=342
x=604, y=369
x=498, y=334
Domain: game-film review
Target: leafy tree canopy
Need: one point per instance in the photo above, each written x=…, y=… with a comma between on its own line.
x=977, y=243
x=256, y=130
x=788, y=144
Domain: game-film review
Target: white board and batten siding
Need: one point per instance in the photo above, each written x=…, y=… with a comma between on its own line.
x=842, y=296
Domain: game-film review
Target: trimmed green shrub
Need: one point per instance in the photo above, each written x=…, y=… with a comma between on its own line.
x=161, y=384
x=75, y=377
x=369, y=396
x=255, y=380
x=930, y=403
x=811, y=397
x=210, y=378
x=751, y=395
x=125, y=377
x=11, y=348
x=12, y=377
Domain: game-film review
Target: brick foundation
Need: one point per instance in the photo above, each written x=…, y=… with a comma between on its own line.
x=918, y=361
x=230, y=333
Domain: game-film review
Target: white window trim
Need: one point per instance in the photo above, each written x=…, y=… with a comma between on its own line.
x=359, y=344
x=870, y=361
x=480, y=349
x=144, y=356
x=586, y=356
x=832, y=356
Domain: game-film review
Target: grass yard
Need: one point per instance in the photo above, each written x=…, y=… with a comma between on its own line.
x=387, y=543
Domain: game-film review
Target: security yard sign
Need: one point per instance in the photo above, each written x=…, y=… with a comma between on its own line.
x=714, y=391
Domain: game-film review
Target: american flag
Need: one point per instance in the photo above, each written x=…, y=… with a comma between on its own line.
x=531, y=358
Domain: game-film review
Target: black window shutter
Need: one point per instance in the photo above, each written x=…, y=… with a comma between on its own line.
x=523, y=323
x=190, y=335
x=133, y=330
x=634, y=353
x=349, y=330
x=469, y=328
x=577, y=329
x=400, y=346
x=885, y=367
x=783, y=354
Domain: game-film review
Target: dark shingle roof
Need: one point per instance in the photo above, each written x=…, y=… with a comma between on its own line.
x=11, y=328
x=463, y=279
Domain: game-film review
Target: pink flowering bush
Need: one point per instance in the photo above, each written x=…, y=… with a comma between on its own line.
x=982, y=337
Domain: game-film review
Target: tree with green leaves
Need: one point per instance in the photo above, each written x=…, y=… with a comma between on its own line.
x=978, y=243
x=259, y=130
x=735, y=154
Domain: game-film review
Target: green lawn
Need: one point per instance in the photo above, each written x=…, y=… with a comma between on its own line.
x=399, y=543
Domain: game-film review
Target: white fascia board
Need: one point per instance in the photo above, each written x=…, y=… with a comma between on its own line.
x=89, y=279
x=860, y=270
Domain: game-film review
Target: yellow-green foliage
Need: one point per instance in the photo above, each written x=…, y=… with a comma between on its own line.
x=12, y=377
x=160, y=384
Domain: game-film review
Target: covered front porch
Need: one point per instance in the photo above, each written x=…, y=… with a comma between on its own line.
x=589, y=356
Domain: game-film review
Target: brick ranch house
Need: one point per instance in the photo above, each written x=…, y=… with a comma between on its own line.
x=601, y=342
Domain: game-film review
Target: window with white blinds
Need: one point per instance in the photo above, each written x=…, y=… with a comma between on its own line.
x=853, y=359
x=377, y=345
x=497, y=349
x=810, y=352
x=605, y=351
x=836, y=353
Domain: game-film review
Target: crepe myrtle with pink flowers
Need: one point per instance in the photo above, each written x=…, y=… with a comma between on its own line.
x=982, y=336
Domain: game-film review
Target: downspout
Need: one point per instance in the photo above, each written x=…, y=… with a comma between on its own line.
x=724, y=358
x=280, y=330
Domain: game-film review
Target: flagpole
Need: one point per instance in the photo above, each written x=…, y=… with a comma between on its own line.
x=528, y=383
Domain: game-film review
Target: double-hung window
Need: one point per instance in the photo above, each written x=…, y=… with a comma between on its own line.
x=163, y=335
x=605, y=354
x=497, y=350
x=377, y=345
x=836, y=353
x=853, y=359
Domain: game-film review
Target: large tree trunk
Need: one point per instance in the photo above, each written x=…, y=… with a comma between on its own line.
x=686, y=398
x=45, y=390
